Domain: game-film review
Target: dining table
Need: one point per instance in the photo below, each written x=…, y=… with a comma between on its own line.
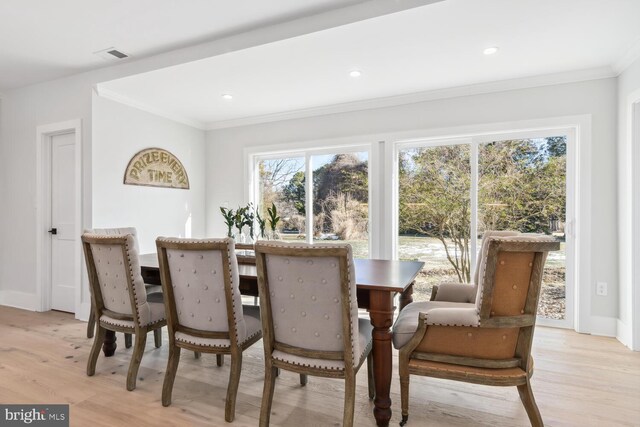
x=378, y=282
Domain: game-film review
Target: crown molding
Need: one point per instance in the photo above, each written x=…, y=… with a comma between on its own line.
x=632, y=54
x=122, y=99
x=412, y=98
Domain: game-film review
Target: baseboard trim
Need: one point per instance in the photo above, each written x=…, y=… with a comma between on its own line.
x=623, y=333
x=83, y=312
x=17, y=299
x=604, y=326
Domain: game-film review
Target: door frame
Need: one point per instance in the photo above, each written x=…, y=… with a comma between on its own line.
x=44, y=134
x=633, y=129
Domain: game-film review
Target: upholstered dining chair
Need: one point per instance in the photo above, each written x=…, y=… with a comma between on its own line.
x=119, y=299
x=487, y=341
x=200, y=282
x=310, y=318
x=150, y=289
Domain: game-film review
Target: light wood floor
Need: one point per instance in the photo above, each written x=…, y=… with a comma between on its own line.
x=580, y=380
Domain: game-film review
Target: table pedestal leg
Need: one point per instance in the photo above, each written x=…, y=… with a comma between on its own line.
x=109, y=346
x=406, y=297
x=381, y=314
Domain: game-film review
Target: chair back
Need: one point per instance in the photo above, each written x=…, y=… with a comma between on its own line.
x=118, y=231
x=509, y=287
x=200, y=282
x=485, y=241
x=308, y=300
x=117, y=288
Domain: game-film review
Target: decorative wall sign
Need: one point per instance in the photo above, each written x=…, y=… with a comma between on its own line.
x=156, y=167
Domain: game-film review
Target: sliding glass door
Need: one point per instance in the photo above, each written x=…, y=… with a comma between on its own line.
x=451, y=191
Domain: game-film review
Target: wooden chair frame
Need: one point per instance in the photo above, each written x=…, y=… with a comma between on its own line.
x=99, y=309
x=270, y=344
x=235, y=350
x=525, y=322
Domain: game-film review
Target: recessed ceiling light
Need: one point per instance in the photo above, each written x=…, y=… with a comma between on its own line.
x=355, y=73
x=227, y=96
x=490, y=50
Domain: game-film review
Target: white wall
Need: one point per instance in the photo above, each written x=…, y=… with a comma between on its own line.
x=629, y=204
x=69, y=98
x=597, y=98
x=119, y=132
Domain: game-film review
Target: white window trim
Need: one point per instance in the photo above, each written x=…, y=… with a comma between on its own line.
x=308, y=149
x=578, y=130
x=383, y=216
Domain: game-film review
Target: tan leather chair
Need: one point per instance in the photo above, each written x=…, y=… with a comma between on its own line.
x=119, y=299
x=205, y=314
x=487, y=341
x=310, y=318
x=466, y=292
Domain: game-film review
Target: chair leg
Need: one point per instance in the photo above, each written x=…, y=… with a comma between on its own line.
x=219, y=359
x=303, y=380
x=136, y=358
x=526, y=395
x=157, y=337
x=370, y=378
x=170, y=375
x=404, y=398
x=127, y=341
x=196, y=355
x=349, y=400
x=95, y=350
x=91, y=323
x=232, y=388
x=267, y=395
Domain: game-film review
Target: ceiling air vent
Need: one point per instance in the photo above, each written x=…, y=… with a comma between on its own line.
x=111, y=54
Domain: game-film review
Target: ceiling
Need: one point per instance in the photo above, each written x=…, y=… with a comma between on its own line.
x=419, y=50
x=42, y=40
x=422, y=49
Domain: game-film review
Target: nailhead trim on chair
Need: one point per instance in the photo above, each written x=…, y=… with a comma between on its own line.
x=504, y=239
x=233, y=302
x=306, y=365
x=349, y=274
x=223, y=345
x=131, y=273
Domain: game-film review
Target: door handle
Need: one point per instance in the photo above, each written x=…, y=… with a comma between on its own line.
x=53, y=231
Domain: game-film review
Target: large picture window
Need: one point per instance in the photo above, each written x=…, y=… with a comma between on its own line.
x=432, y=202
x=321, y=196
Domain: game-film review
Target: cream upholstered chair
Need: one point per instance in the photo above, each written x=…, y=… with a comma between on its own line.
x=204, y=307
x=310, y=317
x=118, y=296
x=466, y=292
x=485, y=342
x=151, y=289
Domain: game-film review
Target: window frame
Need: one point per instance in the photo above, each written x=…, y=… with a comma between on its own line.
x=474, y=141
x=318, y=148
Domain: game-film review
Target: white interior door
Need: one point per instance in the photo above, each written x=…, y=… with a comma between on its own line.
x=63, y=222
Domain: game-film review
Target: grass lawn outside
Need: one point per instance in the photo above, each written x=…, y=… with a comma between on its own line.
x=437, y=269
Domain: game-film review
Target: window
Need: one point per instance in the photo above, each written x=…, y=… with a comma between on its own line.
x=451, y=191
x=321, y=195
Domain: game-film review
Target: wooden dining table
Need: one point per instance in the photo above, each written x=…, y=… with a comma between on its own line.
x=378, y=281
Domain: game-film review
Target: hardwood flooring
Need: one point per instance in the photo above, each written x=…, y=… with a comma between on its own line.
x=579, y=380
